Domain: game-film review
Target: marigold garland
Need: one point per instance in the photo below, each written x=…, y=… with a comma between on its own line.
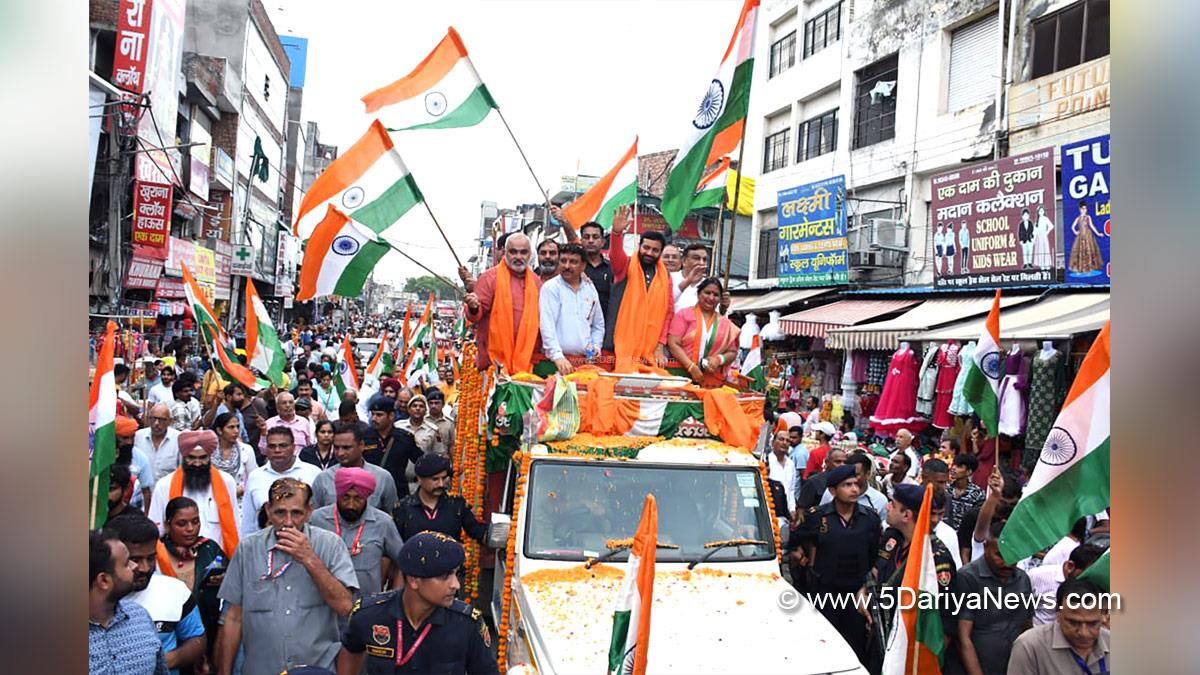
x=469, y=479
x=762, y=470
x=524, y=458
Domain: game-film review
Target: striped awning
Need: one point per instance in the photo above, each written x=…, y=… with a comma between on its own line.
x=818, y=321
x=1053, y=318
x=927, y=315
x=775, y=299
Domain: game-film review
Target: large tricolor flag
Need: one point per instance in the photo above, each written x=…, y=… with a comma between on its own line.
x=345, y=376
x=631, y=620
x=442, y=92
x=102, y=428
x=262, y=342
x=916, y=643
x=1071, y=478
x=752, y=367
x=381, y=362
x=713, y=186
x=339, y=256
x=717, y=128
x=369, y=182
x=982, y=386
x=209, y=330
x=618, y=187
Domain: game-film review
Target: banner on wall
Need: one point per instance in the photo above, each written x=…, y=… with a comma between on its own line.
x=1086, y=203
x=812, y=234
x=993, y=223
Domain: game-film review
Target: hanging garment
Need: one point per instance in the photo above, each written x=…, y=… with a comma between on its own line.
x=1013, y=389
x=948, y=365
x=928, y=381
x=858, y=366
x=1047, y=389
x=897, y=407
x=958, y=402
x=877, y=367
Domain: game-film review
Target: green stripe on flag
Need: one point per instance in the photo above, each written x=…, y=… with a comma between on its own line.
x=674, y=415
x=929, y=627
x=620, y=637
x=1042, y=517
x=469, y=113
x=977, y=390
x=381, y=213
x=350, y=284
x=1098, y=572
x=624, y=197
x=104, y=455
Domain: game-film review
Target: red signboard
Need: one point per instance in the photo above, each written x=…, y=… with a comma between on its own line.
x=143, y=272
x=133, y=45
x=151, y=213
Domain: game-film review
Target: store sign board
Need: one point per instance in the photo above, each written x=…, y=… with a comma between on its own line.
x=242, y=261
x=151, y=213
x=812, y=234
x=1086, y=182
x=993, y=223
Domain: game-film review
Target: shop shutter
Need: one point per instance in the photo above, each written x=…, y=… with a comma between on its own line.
x=973, y=63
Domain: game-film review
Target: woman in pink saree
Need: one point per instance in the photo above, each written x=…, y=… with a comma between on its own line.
x=703, y=342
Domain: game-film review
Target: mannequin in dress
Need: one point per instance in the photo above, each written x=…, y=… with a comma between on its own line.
x=1047, y=350
x=903, y=347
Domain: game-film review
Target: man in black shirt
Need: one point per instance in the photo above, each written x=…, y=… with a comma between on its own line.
x=388, y=447
x=431, y=508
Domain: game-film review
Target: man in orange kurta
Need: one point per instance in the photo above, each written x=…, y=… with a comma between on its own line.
x=516, y=344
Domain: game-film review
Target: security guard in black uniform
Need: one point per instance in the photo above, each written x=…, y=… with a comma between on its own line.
x=431, y=508
x=420, y=628
x=841, y=541
x=388, y=447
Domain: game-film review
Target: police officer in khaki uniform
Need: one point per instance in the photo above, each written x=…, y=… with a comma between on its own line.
x=420, y=628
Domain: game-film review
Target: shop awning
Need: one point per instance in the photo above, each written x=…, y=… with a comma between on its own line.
x=927, y=315
x=818, y=321
x=1053, y=318
x=775, y=299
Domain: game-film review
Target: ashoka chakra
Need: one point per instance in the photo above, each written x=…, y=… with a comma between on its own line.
x=1060, y=447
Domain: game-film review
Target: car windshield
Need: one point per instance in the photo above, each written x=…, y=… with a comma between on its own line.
x=574, y=508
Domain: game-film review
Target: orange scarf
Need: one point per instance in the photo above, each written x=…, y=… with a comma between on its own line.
x=513, y=347
x=229, y=533
x=641, y=316
x=164, y=560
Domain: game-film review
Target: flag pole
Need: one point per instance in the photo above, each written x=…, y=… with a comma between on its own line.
x=441, y=278
x=737, y=193
x=441, y=232
x=712, y=264
x=542, y=190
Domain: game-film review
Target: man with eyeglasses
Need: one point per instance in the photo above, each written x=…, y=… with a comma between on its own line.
x=282, y=462
x=303, y=430
x=159, y=441
x=161, y=392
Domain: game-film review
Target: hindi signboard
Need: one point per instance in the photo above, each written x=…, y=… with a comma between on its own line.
x=812, y=234
x=242, y=261
x=151, y=213
x=1086, y=202
x=993, y=223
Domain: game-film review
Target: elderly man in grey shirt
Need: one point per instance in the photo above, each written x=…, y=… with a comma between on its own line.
x=285, y=588
x=989, y=621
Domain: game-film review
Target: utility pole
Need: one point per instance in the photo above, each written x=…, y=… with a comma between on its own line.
x=116, y=188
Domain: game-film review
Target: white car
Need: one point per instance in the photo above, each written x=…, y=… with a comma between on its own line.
x=719, y=607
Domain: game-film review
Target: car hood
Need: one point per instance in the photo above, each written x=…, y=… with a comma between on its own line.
x=709, y=620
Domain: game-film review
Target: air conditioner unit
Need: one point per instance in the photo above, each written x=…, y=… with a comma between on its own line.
x=887, y=234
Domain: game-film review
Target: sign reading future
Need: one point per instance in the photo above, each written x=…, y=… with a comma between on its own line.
x=993, y=223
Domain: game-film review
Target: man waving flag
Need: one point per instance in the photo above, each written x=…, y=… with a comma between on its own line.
x=916, y=643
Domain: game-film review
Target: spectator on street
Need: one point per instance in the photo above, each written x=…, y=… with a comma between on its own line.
x=1076, y=640
x=122, y=639
x=282, y=462
x=213, y=490
x=572, y=322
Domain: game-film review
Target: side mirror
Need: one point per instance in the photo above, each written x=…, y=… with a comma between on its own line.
x=498, y=531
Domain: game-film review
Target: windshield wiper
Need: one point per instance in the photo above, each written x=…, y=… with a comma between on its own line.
x=718, y=545
x=616, y=547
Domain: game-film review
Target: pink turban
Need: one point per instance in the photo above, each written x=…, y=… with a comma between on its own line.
x=346, y=478
x=189, y=440
x=390, y=382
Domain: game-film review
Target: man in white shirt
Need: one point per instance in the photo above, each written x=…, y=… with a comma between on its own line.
x=280, y=451
x=683, y=282
x=185, y=411
x=1047, y=578
x=904, y=439
x=159, y=442
x=571, y=318
x=197, y=477
x=780, y=468
x=161, y=392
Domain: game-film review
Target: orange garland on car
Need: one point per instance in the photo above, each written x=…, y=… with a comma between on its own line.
x=510, y=558
x=762, y=470
x=470, y=476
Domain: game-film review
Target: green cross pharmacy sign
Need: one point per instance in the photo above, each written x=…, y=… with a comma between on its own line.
x=242, y=263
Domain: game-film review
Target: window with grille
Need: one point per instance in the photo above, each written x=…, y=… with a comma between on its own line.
x=768, y=253
x=775, y=151
x=1069, y=37
x=875, y=102
x=817, y=136
x=822, y=30
x=783, y=54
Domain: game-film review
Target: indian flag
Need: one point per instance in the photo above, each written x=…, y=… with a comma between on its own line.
x=618, y=187
x=338, y=258
x=420, y=336
x=207, y=327
x=345, y=377
x=713, y=186
x=1071, y=478
x=442, y=92
x=381, y=362
x=630, y=643
x=262, y=342
x=752, y=367
x=102, y=428
x=716, y=129
x=982, y=386
x=916, y=643
x=369, y=182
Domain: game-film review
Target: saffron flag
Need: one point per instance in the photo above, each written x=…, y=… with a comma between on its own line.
x=630, y=644
x=916, y=643
x=345, y=376
x=717, y=127
x=442, y=92
x=1071, y=477
x=982, y=386
x=713, y=186
x=209, y=330
x=618, y=187
x=262, y=342
x=102, y=429
x=369, y=182
x=338, y=258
